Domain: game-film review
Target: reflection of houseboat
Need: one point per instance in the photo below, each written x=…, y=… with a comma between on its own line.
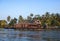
x=36, y=24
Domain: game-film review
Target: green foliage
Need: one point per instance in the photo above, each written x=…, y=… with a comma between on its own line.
x=29, y=18
x=20, y=19
x=3, y=23
x=13, y=21
x=52, y=19
x=8, y=18
x=31, y=14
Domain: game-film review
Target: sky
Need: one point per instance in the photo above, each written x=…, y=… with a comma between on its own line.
x=14, y=8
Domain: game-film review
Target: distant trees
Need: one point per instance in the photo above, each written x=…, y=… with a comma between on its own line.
x=52, y=19
x=12, y=22
x=30, y=17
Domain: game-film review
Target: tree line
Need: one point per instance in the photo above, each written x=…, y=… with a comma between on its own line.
x=52, y=19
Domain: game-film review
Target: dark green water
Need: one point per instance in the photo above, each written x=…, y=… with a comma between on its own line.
x=18, y=35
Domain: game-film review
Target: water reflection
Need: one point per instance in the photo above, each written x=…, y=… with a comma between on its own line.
x=17, y=35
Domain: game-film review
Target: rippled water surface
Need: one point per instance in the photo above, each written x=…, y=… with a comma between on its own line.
x=18, y=35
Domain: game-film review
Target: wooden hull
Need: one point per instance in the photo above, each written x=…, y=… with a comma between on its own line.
x=27, y=26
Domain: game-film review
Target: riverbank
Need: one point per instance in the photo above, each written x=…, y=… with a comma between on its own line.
x=38, y=28
x=32, y=29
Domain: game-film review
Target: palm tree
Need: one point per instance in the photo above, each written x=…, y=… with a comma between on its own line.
x=20, y=19
x=52, y=16
x=47, y=13
x=57, y=15
x=28, y=18
x=8, y=19
x=15, y=20
x=38, y=17
x=31, y=14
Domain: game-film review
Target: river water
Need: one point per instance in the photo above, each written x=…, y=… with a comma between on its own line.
x=19, y=35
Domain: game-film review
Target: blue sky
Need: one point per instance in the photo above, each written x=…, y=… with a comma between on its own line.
x=14, y=8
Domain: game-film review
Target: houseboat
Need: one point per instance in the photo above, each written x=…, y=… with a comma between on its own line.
x=26, y=25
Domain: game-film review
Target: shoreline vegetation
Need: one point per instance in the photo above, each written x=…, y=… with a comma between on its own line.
x=46, y=21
